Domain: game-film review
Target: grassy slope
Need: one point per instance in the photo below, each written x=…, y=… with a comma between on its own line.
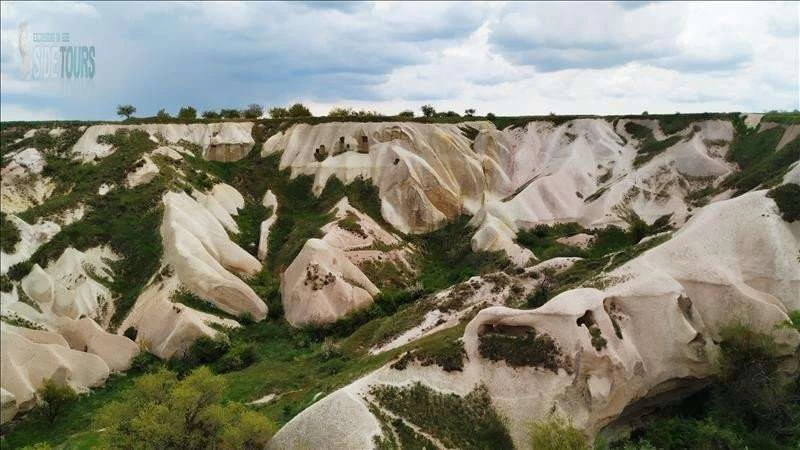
x=290, y=361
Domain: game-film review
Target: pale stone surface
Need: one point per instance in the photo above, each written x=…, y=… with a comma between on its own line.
x=205, y=260
x=269, y=201
x=165, y=328
x=322, y=285
x=427, y=174
x=21, y=183
x=734, y=259
x=8, y=406
x=26, y=364
x=144, y=173
x=31, y=238
x=580, y=240
x=221, y=141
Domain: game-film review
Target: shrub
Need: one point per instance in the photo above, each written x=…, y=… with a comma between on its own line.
x=9, y=235
x=468, y=422
x=187, y=113
x=238, y=358
x=598, y=341
x=162, y=412
x=557, y=433
x=787, y=196
x=126, y=110
x=527, y=348
x=278, y=112
x=230, y=113
x=5, y=283
x=211, y=114
x=299, y=110
x=54, y=397
x=490, y=116
x=341, y=112
x=253, y=111
x=144, y=362
x=407, y=114
x=428, y=110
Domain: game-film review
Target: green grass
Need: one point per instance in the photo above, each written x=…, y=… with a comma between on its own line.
x=760, y=163
x=448, y=257
x=782, y=117
x=787, y=197
x=524, y=348
x=468, y=422
x=9, y=234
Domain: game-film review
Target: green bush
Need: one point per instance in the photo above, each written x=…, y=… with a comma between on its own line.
x=53, y=397
x=557, y=433
x=162, y=412
x=237, y=358
x=525, y=349
x=5, y=283
x=751, y=403
x=787, y=196
x=9, y=234
x=299, y=110
x=468, y=422
x=187, y=113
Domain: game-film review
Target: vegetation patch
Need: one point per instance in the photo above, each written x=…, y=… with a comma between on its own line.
x=468, y=422
x=557, y=433
x=351, y=223
x=9, y=234
x=751, y=403
x=760, y=163
x=787, y=197
x=448, y=258
x=447, y=354
x=523, y=347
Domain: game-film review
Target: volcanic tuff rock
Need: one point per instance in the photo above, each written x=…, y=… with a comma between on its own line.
x=226, y=141
x=322, y=285
x=659, y=315
x=197, y=246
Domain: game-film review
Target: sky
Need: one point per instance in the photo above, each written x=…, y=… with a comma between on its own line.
x=507, y=58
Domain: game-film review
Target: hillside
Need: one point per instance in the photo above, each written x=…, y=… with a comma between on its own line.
x=416, y=282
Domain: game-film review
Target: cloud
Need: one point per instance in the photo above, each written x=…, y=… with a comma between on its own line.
x=505, y=57
x=13, y=112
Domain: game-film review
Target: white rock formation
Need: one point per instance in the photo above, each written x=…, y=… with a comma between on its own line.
x=734, y=260
x=166, y=328
x=427, y=174
x=67, y=287
x=205, y=260
x=144, y=172
x=31, y=238
x=21, y=183
x=269, y=201
x=30, y=357
x=8, y=406
x=322, y=285
x=221, y=141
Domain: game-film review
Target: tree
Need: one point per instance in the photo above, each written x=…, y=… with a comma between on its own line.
x=162, y=114
x=230, y=113
x=126, y=110
x=428, y=110
x=278, y=112
x=341, y=112
x=469, y=112
x=54, y=397
x=162, y=412
x=557, y=433
x=299, y=110
x=187, y=113
x=253, y=111
x=406, y=114
x=210, y=115
x=490, y=116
